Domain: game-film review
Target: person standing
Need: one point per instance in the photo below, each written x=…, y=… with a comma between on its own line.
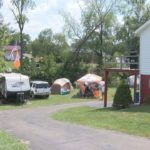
x=102, y=89
x=82, y=90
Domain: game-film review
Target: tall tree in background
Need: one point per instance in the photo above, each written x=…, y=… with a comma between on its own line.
x=48, y=43
x=4, y=30
x=101, y=40
x=43, y=44
x=5, y=34
x=135, y=13
x=19, y=9
x=95, y=25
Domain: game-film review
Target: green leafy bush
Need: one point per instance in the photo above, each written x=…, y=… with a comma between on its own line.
x=122, y=98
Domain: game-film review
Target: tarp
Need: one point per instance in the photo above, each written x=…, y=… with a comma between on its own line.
x=90, y=78
x=61, y=84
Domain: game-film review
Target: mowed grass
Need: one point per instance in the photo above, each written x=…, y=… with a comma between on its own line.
x=134, y=120
x=8, y=142
x=52, y=100
x=56, y=100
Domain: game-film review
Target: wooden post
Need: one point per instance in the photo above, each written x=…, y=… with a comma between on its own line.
x=105, y=92
x=135, y=86
x=121, y=62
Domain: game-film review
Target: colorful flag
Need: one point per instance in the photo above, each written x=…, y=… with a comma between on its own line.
x=17, y=61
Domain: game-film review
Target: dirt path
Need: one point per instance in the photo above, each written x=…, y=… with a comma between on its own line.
x=36, y=128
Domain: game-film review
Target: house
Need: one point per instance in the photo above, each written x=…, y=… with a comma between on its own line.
x=11, y=51
x=27, y=55
x=144, y=33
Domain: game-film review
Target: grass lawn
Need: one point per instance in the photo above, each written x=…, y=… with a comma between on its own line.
x=8, y=142
x=111, y=93
x=52, y=100
x=134, y=120
x=56, y=99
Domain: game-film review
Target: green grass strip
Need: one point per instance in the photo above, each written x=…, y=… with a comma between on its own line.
x=8, y=142
x=134, y=120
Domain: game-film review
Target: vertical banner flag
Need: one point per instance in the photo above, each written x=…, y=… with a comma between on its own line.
x=17, y=61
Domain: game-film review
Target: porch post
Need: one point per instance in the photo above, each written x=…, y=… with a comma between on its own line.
x=135, y=86
x=105, y=92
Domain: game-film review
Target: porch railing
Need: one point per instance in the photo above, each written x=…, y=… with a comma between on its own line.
x=123, y=62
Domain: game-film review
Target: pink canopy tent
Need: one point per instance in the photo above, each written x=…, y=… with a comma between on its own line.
x=90, y=78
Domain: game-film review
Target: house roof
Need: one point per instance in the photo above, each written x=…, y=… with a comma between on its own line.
x=142, y=28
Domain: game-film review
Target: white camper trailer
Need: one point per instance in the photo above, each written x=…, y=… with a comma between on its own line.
x=13, y=84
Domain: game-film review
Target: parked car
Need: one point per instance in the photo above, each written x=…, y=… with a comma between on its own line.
x=39, y=88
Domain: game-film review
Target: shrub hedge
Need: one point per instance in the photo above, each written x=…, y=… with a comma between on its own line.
x=122, y=98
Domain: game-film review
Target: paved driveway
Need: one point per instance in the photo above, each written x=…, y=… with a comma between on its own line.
x=36, y=128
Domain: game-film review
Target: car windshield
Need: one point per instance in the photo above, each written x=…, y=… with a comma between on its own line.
x=43, y=85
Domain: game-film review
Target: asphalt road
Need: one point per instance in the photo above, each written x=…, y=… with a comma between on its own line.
x=36, y=128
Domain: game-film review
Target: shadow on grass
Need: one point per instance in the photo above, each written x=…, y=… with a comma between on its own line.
x=37, y=98
x=132, y=109
x=11, y=102
x=76, y=96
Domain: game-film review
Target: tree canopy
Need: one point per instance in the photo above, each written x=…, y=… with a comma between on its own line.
x=104, y=31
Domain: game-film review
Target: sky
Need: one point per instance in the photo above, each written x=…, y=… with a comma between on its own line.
x=46, y=14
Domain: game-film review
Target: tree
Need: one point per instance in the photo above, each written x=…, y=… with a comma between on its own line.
x=54, y=50
x=49, y=68
x=61, y=48
x=43, y=44
x=122, y=98
x=97, y=15
x=135, y=13
x=4, y=30
x=46, y=35
x=19, y=9
x=48, y=43
x=102, y=39
x=5, y=34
